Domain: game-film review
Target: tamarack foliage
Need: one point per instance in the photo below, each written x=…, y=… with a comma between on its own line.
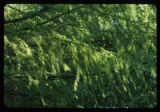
x=81, y=56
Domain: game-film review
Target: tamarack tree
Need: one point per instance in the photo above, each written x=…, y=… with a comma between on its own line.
x=101, y=55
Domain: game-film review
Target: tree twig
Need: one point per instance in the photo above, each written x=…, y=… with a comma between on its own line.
x=67, y=75
x=53, y=18
x=67, y=24
x=15, y=9
x=26, y=17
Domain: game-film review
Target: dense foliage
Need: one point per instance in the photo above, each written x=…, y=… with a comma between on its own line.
x=101, y=55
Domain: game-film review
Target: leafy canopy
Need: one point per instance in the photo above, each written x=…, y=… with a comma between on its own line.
x=64, y=55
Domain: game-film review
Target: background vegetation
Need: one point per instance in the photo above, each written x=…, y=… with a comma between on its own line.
x=81, y=56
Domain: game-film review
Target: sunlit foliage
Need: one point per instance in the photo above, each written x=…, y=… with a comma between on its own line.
x=65, y=55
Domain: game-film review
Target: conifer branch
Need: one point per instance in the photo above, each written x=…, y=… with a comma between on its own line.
x=20, y=74
x=68, y=24
x=53, y=18
x=26, y=17
x=16, y=9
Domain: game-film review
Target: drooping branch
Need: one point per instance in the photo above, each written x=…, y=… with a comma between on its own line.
x=20, y=74
x=16, y=9
x=54, y=18
x=68, y=24
x=27, y=16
